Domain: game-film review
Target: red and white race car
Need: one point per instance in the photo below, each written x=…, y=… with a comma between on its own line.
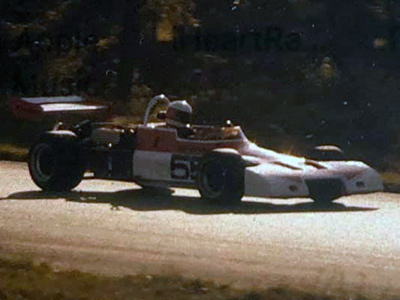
x=219, y=161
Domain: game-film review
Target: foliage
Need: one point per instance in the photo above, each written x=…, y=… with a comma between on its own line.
x=22, y=279
x=230, y=59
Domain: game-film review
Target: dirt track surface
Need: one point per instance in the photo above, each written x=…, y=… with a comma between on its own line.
x=351, y=247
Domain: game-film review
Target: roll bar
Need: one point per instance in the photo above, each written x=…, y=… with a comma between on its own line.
x=152, y=103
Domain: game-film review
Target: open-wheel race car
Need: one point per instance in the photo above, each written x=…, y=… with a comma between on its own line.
x=219, y=161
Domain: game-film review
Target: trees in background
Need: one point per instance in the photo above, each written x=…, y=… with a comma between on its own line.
x=103, y=47
x=255, y=60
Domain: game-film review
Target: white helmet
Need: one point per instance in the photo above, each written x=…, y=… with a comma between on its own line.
x=179, y=114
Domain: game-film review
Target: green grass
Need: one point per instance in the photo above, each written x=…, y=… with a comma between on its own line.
x=26, y=280
x=21, y=279
x=13, y=152
x=391, y=181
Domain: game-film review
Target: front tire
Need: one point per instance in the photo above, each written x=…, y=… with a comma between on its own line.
x=324, y=200
x=221, y=178
x=55, y=164
x=324, y=192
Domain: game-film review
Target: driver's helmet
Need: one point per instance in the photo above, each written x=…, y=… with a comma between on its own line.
x=179, y=114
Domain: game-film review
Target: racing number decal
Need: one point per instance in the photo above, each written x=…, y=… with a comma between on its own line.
x=184, y=167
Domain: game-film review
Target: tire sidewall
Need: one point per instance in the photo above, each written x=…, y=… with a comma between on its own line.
x=35, y=167
x=231, y=186
x=67, y=167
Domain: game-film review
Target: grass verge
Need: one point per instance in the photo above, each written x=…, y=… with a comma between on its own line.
x=25, y=280
x=391, y=181
x=13, y=152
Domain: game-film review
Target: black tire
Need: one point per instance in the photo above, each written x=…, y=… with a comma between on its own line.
x=327, y=153
x=324, y=192
x=55, y=162
x=323, y=200
x=221, y=178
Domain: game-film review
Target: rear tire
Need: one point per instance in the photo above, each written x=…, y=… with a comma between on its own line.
x=55, y=163
x=221, y=178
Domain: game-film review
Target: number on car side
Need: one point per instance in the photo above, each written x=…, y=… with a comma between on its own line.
x=184, y=167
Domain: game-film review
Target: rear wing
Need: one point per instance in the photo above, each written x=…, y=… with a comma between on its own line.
x=61, y=107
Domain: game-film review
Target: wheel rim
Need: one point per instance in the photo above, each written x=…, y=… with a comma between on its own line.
x=213, y=178
x=44, y=161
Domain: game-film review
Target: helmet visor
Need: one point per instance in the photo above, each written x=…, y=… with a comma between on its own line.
x=182, y=116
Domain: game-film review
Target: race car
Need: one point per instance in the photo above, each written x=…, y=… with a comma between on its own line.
x=219, y=161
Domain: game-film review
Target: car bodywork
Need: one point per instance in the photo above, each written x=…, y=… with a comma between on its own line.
x=154, y=154
x=163, y=158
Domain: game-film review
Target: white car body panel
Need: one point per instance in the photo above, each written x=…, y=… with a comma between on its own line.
x=284, y=176
x=151, y=165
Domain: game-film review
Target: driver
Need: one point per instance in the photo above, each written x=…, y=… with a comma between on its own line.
x=179, y=116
